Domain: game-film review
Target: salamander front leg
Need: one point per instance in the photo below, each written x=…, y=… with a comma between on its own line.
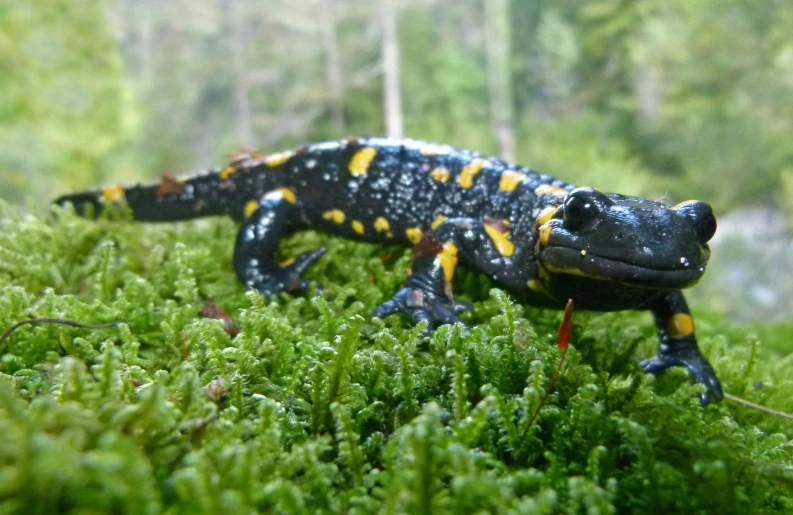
x=257, y=243
x=427, y=295
x=483, y=245
x=679, y=345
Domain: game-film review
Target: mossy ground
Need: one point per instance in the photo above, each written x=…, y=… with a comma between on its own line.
x=317, y=407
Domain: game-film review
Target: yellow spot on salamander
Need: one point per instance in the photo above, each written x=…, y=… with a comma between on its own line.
x=250, y=207
x=288, y=194
x=359, y=164
x=287, y=262
x=543, y=272
x=545, y=233
x=536, y=285
x=680, y=325
x=357, y=226
x=228, y=172
x=381, y=225
x=545, y=215
x=466, y=178
x=501, y=240
x=440, y=174
x=334, y=215
x=414, y=234
x=278, y=159
x=544, y=189
x=438, y=220
x=510, y=180
x=113, y=193
x=448, y=259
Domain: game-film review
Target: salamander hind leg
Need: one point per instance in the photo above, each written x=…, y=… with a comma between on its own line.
x=679, y=346
x=264, y=225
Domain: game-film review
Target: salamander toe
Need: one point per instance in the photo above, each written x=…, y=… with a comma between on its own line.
x=423, y=305
x=698, y=367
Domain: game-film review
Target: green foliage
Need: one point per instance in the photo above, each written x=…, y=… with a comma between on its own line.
x=449, y=82
x=317, y=407
x=61, y=97
x=693, y=99
x=680, y=82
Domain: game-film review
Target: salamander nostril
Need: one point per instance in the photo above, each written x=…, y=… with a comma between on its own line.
x=706, y=228
x=700, y=216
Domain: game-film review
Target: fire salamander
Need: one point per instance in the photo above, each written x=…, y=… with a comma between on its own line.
x=540, y=238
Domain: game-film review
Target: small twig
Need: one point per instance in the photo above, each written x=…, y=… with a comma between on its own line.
x=60, y=321
x=184, y=345
x=752, y=405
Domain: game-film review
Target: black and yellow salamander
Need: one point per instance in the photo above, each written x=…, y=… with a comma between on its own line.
x=540, y=238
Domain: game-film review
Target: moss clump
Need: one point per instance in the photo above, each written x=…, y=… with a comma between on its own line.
x=317, y=407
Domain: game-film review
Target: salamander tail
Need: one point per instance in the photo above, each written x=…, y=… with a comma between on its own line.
x=173, y=199
x=86, y=203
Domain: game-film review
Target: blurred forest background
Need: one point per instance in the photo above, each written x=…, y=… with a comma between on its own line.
x=676, y=98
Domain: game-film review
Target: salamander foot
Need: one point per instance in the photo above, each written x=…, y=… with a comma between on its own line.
x=423, y=305
x=687, y=354
x=287, y=279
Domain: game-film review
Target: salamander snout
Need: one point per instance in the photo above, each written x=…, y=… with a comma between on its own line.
x=700, y=215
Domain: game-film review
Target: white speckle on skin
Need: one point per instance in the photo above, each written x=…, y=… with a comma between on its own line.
x=583, y=252
x=311, y=163
x=328, y=145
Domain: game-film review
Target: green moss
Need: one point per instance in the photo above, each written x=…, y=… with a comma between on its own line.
x=317, y=407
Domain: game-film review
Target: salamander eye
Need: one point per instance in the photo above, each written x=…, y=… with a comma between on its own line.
x=580, y=209
x=700, y=216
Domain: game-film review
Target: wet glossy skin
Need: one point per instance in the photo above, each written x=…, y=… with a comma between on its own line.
x=630, y=243
x=539, y=237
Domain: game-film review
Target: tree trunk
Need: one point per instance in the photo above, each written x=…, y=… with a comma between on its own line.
x=497, y=48
x=242, y=100
x=390, y=57
x=332, y=65
x=646, y=82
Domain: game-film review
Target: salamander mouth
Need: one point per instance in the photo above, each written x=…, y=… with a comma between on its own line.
x=565, y=260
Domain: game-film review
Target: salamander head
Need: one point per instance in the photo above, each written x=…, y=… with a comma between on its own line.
x=625, y=240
